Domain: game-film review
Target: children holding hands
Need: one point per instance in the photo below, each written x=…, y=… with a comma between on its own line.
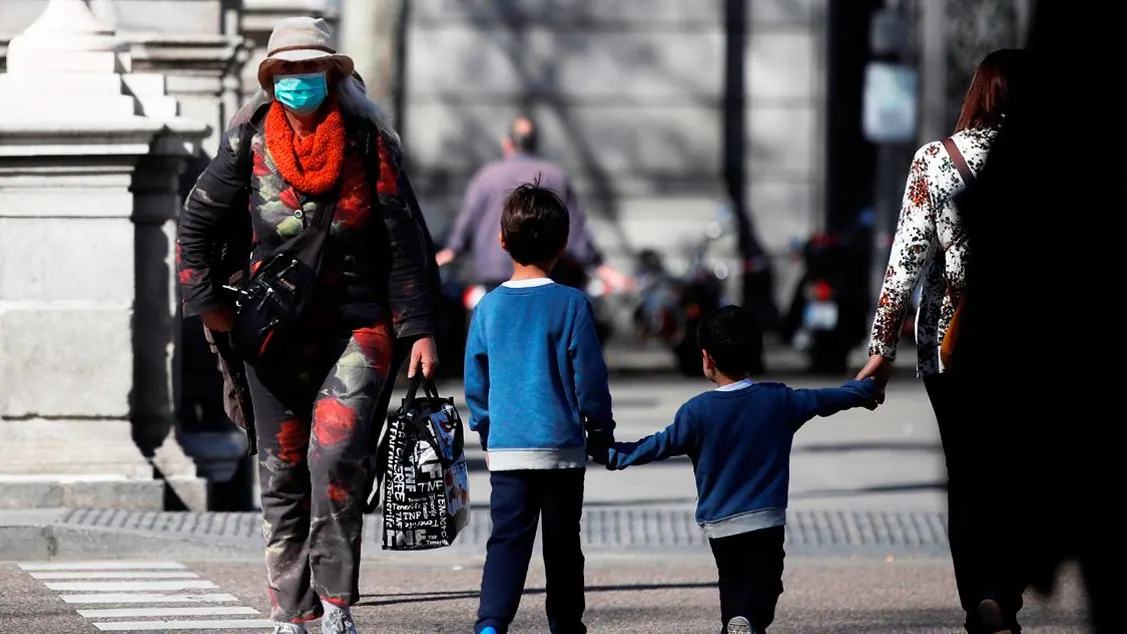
x=536, y=388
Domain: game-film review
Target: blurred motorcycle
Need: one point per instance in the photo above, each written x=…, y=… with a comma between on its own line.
x=829, y=312
x=671, y=307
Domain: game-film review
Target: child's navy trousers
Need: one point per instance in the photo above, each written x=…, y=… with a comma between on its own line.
x=519, y=501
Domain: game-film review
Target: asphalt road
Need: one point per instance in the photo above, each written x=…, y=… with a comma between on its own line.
x=436, y=595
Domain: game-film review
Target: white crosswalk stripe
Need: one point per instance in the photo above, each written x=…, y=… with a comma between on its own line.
x=133, y=613
x=129, y=586
x=149, y=626
x=101, y=574
x=145, y=597
x=103, y=565
x=141, y=597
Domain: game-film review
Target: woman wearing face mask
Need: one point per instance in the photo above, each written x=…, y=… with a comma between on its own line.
x=311, y=153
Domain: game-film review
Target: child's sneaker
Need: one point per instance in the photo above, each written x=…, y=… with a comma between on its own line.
x=489, y=630
x=740, y=625
x=289, y=628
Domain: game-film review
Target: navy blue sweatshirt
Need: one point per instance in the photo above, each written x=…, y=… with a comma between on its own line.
x=739, y=440
x=536, y=381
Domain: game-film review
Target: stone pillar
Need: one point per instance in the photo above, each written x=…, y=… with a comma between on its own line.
x=202, y=72
x=90, y=155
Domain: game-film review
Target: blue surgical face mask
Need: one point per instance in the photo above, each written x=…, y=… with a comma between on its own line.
x=301, y=94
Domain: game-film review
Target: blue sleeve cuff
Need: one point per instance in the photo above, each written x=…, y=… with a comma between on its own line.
x=867, y=386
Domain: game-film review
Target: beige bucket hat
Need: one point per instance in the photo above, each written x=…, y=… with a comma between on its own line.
x=300, y=40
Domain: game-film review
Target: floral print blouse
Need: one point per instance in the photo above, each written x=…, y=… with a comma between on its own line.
x=930, y=243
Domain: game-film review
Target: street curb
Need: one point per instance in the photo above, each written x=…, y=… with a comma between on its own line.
x=67, y=543
x=653, y=531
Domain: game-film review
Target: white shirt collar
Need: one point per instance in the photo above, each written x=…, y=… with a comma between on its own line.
x=738, y=385
x=531, y=283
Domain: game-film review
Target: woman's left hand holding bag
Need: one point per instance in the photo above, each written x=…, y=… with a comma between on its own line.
x=424, y=356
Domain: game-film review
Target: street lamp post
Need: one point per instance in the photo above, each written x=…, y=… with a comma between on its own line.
x=889, y=120
x=757, y=279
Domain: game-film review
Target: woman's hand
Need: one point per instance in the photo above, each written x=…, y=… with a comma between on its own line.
x=424, y=355
x=878, y=368
x=218, y=319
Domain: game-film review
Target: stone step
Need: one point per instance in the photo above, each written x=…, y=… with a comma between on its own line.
x=74, y=491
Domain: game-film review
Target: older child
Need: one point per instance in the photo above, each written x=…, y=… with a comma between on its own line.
x=536, y=386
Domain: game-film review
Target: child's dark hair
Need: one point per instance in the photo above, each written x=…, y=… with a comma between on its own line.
x=534, y=224
x=733, y=338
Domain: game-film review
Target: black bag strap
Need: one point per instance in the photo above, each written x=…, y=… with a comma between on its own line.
x=415, y=382
x=316, y=232
x=958, y=160
x=381, y=442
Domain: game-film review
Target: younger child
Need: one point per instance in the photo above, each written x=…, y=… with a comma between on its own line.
x=536, y=387
x=739, y=437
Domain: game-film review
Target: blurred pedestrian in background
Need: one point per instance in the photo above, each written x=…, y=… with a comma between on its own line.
x=311, y=157
x=476, y=228
x=931, y=244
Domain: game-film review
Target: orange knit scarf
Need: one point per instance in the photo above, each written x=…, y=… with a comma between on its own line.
x=311, y=165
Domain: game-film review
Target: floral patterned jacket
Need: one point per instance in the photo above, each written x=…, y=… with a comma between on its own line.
x=241, y=197
x=930, y=243
x=381, y=245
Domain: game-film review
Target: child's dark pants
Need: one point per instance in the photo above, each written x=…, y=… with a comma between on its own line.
x=518, y=501
x=750, y=567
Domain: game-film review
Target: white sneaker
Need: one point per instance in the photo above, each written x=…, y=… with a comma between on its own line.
x=740, y=625
x=289, y=628
x=337, y=620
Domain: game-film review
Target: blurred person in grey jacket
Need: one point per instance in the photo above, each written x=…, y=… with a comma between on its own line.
x=478, y=225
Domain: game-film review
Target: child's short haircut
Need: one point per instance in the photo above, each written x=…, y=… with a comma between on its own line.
x=733, y=338
x=534, y=224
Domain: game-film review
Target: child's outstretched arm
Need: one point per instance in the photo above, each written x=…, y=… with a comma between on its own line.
x=675, y=440
x=477, y=380
x=808, y=403
x=592, y=389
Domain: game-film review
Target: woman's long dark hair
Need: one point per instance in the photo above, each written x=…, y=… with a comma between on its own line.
x=991, y=91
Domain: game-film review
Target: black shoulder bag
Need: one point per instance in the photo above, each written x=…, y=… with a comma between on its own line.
x=275, y=299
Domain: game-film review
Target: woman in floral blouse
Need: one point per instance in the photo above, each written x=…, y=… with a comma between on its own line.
x=930, y=247
x=312, y=143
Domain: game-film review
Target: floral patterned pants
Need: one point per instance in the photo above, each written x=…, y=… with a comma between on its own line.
x=315, y=417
